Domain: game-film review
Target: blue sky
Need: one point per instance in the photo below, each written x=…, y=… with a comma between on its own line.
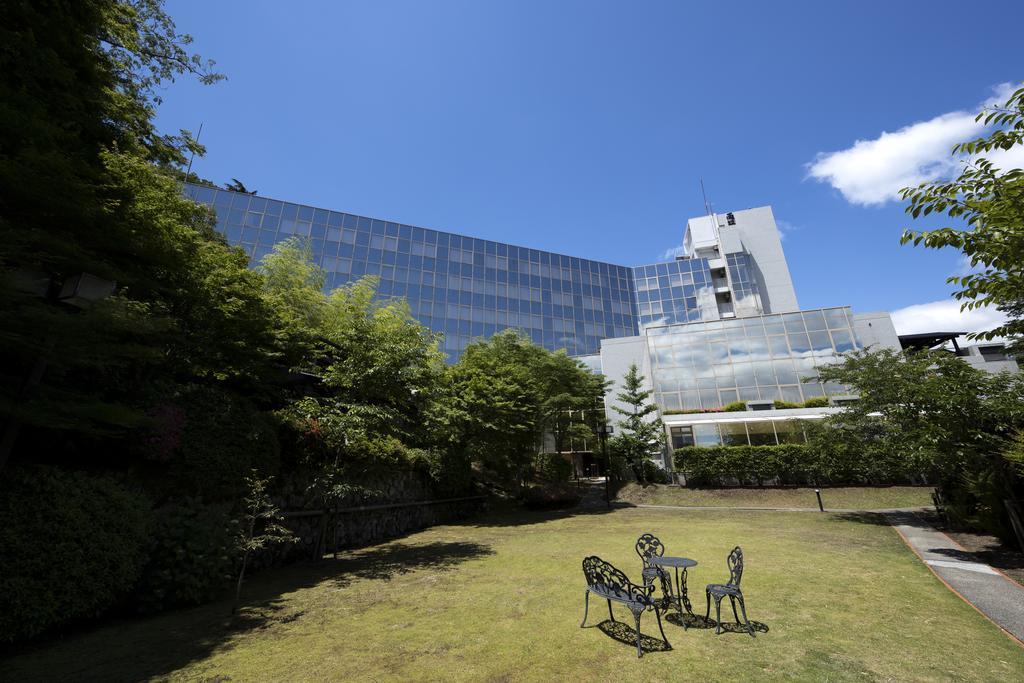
x=584, y=127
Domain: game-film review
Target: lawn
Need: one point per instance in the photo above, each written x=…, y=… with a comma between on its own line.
x=836, y=498
x=838, y=597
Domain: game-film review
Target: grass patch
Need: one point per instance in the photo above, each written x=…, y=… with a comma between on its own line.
x=836, y=498
x=501, y=599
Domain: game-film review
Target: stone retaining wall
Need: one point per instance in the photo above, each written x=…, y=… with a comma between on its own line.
x=322, y=531
x=385, y=504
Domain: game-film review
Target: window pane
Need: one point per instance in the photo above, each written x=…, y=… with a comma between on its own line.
x=733, y=434
x=706, y=435
x=682, y=437
x=761, y=433
x=790, y=431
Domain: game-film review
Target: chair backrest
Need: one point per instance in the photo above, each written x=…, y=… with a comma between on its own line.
x=735, y=563
x=648, y=546
x=603, y=574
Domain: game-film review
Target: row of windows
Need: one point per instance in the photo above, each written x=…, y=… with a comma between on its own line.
x=345, y=258
x=754, y=433
x=232, y=207
x=710, y=399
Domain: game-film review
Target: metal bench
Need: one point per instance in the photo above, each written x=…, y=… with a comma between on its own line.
x=607, y=582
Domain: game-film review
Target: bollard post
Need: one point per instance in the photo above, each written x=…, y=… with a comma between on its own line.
x=821, y=507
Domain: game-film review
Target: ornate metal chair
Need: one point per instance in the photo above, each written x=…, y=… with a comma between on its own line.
x=605, y=581
x=648, y=546
x=730, y=589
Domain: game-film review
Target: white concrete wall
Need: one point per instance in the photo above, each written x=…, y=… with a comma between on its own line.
x=760, y=238
x=616, y=357
x=875, y=330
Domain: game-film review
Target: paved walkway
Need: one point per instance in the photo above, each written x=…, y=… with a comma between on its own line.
x=757, y=509
x=993, y=594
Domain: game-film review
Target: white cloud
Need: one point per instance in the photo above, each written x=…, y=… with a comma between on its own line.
x=872, y=172
x=672, y=253
x=785, y=227
x=944, y=316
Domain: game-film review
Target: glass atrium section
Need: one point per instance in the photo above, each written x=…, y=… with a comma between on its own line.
x=746, y=298
x=706, y=365
x=461, y=286
x=678, y=291
x=749, y=433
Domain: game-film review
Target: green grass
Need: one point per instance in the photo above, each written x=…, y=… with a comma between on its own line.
x=501, y=599
x=836, y=498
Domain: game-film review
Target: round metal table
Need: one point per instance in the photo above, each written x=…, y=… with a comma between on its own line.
x=677, y=563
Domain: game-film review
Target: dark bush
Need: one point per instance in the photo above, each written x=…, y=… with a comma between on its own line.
x=72, y=546
x=654, y=474
x=734, y=407
x=190, y=559
x=552, y=467
x=816, y=402
x=550, y=496
x=450, y=471
x=211, y=439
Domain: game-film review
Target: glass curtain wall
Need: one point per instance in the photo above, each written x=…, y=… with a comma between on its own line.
x=704, y=366
x=458, y=285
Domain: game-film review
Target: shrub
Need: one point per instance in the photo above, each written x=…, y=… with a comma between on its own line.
x=450, y=470
x=71, y=547
x=216, y=439
x=654, y=474
x=551, y=496
x=734, y=407
x=783, y=405
x=816, y=402
x=552, y=467
x=190, y=558
x=790, y=464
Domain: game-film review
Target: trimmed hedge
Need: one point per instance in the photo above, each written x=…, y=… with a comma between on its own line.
x=786, y=464
x=72, y=546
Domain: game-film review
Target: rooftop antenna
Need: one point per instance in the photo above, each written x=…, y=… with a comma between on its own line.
x=193, y=156
x=707, y=206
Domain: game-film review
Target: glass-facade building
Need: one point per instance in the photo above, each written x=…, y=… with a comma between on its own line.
x=707, y=365
x=458, y=285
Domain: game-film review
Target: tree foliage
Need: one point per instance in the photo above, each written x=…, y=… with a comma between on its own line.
x=643, y=433
x=990, y=201
x=508, y=392
x=933, y=413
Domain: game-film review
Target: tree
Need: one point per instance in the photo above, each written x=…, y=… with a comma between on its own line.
x=929, y=411
x=497, y=398
x=990, y=201
x=569, y=395
x=259, y=527
x=236, y=186
x=643, y=437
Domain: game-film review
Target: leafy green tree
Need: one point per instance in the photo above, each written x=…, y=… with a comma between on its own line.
x=988, y=204
x=931, y=412
x=260, y=526
x=91, y=187
x=498, y=399
x=643, y=433
x=508, y=392
x=569, y=398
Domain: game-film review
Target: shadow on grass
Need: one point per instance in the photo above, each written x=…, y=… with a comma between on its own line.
x=698, y=621
x=143, y=648
x=521, y=517
x=626, y=634
x=878, y=518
